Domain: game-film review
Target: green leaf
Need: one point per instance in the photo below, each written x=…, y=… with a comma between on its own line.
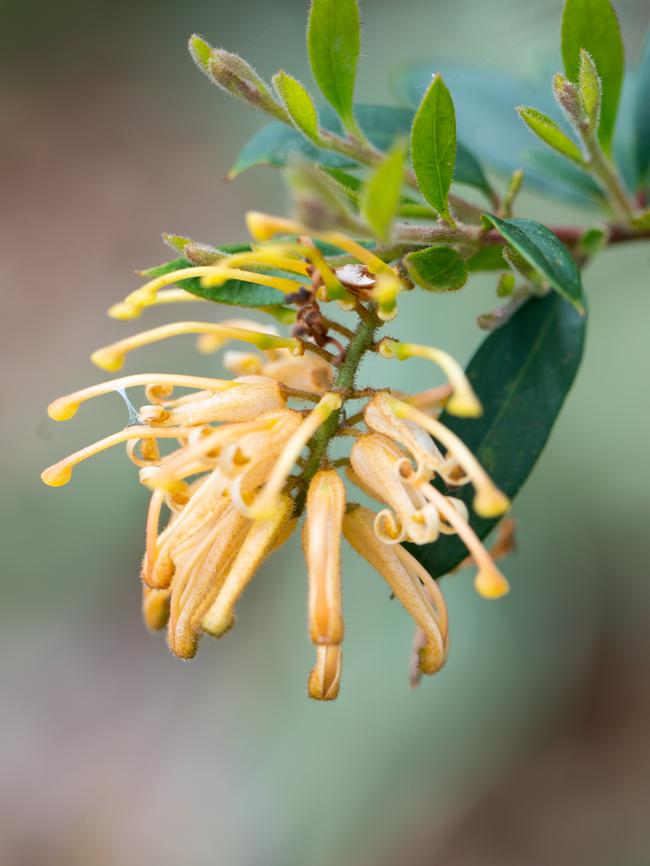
x=299, y=105
x=521, y=373
x=506, y=285
x=546, y=253
x=348, y=183
x=380, y=197
x=334, y=42
x=642, y=113
x=550, y=133
x=277, y=145
x=594, y=240
x=642, y=220
x=233, y=292
x=487, y=259
x=489, y=126
x=433, y=146
x=593, y=25
x=437, y=269
x=201, y=52
x=468, y=170
x=589, y=87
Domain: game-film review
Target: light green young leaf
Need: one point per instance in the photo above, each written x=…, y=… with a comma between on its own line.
x=642, y=221
x=437, y=269
x=380, y=197
x=299, y=104
x=196, y=252
x=487, y=123
x=589, y=86
x=201, y=52
x=433, y=146
x=593, y=240
x=550, y=133
x=642, y=113
x=334, y=42
x=506, y=285
x=593, y=25
x=546, y=253
x=277, y=144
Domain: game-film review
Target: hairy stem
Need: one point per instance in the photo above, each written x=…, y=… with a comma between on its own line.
x=412, y=237
x=361, y=342
x=606, y=174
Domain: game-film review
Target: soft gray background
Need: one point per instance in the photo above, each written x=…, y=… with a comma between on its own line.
x=531, y=747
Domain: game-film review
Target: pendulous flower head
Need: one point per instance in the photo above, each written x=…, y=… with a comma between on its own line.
x=234, y=463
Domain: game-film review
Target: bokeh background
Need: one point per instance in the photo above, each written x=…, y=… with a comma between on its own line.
x=531, y=747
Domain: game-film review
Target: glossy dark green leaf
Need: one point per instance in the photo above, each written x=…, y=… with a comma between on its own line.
x=334, y=42
x=468, y=170
x=642, y=113
x=233, y=292
x=437, y=269
x=522, y=373
x=277, y=144
x=593, y=25
x=433, y=145
x=485, y=102
x=546, y=253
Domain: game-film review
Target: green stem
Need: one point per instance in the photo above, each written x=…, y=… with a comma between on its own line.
x=606, y=174
x=365, y=153
x=360, y=343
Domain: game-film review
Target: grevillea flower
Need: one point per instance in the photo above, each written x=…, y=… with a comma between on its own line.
x=249, y=455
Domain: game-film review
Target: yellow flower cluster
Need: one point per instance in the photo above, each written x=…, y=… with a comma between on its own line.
x=244, y=466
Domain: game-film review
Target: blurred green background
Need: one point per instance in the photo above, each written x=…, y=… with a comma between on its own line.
x=531, y=747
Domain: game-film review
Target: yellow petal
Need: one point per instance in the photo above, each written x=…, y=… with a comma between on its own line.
x=322, y=548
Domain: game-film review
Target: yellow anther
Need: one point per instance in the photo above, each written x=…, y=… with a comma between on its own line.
x=61, y=472
x=126, y=310
x=387, y=288
x=463, y=401
x=489, y=501
x=263, y=227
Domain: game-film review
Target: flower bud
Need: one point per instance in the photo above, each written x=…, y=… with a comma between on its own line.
x=237, y=77
x=568, y=98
